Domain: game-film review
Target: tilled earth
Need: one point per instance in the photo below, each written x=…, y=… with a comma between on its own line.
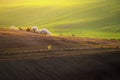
x=82, y=65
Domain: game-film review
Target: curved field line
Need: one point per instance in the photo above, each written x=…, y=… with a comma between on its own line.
x=46, y=50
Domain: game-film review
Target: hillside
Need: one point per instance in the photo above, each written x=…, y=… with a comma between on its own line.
x=13, y=39
x=95, y=18
x=71, y=58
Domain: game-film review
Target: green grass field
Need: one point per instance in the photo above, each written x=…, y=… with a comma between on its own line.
x=84, y=18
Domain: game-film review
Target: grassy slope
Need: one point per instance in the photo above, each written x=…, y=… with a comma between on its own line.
x=96, y=18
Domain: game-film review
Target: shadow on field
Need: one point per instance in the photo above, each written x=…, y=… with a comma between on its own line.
x=81, y=67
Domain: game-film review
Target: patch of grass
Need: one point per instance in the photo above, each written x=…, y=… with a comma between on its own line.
x=99, y=20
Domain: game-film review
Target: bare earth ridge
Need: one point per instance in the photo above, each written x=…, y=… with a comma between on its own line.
x=24, y=56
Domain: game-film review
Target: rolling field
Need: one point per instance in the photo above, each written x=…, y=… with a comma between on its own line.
x=16, y=39
x=85, y=44
x=24, y=56
x=86, y=65
x=95, y=18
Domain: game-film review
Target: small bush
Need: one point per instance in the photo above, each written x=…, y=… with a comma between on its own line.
x=73, y=35
x=20, y=28
x=28, y=29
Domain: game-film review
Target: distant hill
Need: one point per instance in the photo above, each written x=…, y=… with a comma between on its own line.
x=95, y=18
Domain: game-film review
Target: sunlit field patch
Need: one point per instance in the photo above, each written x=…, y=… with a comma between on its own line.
x=83, y=18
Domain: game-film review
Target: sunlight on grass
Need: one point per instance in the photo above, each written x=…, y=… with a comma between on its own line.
x=89, y=18
x=61, y=3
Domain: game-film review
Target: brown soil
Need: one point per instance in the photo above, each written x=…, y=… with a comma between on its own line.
x=22, y=39
x=79, y=59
